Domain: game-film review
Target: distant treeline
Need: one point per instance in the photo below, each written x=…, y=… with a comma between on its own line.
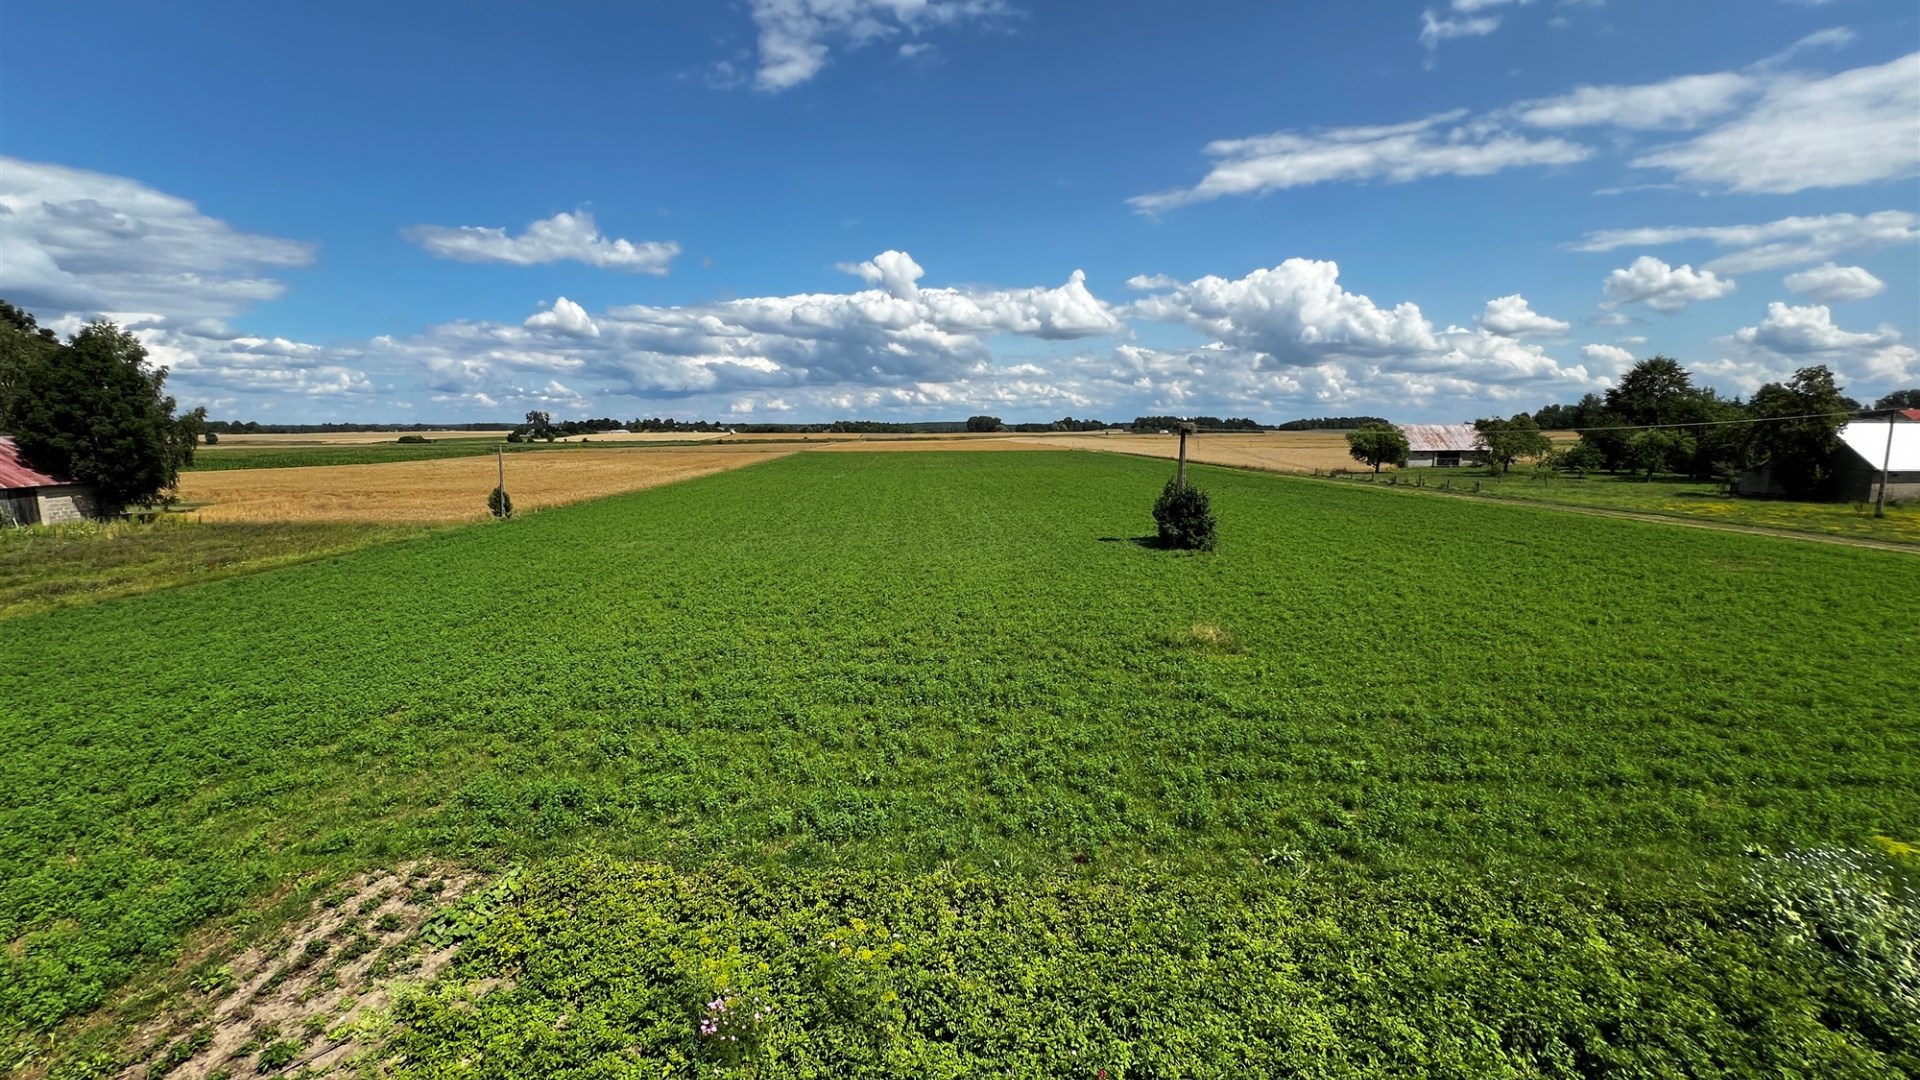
x=254, y=427
x=1330, y=423
x=1204, y=423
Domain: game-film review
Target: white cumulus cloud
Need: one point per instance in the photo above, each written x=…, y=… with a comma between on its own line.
x=564, y=317
x=1800, y=331
x=1661, y=287
x=1829, y=284
x=562, y=236
x=1608, y=357
x=1513, y=316
x=1297, y=316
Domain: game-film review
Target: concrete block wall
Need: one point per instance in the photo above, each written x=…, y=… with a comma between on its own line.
x=59, y=505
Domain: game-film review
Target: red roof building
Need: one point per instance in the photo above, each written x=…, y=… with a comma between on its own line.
x=31, y=497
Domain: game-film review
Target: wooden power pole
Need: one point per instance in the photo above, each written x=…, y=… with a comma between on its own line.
x=1886, y=468
x=1180, y=479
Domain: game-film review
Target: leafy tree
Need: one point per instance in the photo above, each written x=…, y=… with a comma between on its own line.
x=540, y=426
x=1580, y=457
x=1653, y=391
x=22, y=341
x=1801, y=451
x=94, y=410
x=1184, y=516
x=1507, y=441
x=1660, y=450
x=1378, y=443
x=984, y=423
x=1900, y=399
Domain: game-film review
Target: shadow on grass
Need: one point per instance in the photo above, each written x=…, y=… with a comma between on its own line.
x=1151, y=541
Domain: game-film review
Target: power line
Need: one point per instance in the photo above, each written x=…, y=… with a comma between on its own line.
x=1720, y=423
x=1856, y=413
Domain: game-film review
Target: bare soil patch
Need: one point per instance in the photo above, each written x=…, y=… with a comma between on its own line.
x=306, y=1001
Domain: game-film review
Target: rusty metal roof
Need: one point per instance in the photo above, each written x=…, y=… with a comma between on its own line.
x=1448, y=437
x=14, y=472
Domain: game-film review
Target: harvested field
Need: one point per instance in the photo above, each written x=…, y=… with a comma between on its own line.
x=449, y=490
x=1280, y=451
x=1275, y=451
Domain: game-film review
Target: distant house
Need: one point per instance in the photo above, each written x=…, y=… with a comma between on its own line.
x=1866, y=447
x=31, y=497
x=1442, y=446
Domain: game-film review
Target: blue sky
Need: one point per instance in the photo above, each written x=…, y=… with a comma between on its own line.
x=804, y=210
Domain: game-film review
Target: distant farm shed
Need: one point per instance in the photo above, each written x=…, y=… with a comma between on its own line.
x=1865, y=448
x=31, y=497
x=1441, y=446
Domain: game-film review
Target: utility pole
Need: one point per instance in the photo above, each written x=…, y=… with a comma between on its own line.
x=1180, y=481
x=1886, y=467
x=500, y=455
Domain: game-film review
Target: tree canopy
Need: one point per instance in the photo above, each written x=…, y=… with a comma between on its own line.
x=1507, y=441
x=1378, y=443
x=93, y=409
x=1900, y=399
x=1801, y=450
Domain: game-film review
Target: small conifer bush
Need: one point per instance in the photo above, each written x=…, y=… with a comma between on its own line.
x=499, y=503
x=1185, y=518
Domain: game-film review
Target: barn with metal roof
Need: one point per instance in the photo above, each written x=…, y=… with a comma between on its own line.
x=31, y=497
x=1441, y=446
x=1888, y=447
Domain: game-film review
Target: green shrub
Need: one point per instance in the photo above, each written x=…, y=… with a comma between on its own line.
x=1185, y=518
x=414, y=439
x=499, y=503
x=278, y=1055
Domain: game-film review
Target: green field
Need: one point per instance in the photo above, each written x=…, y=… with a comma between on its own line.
x=926, y=755
x=1669, y=496
x=285, y=456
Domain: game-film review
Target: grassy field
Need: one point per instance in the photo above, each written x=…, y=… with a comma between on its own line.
x=1678, y=497
x=919, y=763
x=46, y=567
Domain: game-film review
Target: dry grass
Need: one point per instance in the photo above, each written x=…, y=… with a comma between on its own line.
x=454, y=489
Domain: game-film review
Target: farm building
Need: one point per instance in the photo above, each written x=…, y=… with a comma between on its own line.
x=1866, y=447
x=31, y=497
x=1441, y=446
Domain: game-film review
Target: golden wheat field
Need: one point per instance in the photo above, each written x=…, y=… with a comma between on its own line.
x=454, y=489
x=1279, y=451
